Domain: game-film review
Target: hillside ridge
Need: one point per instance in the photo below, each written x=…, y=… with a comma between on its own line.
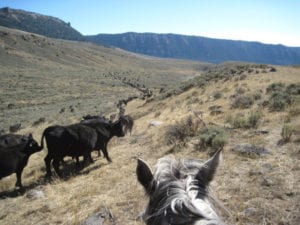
x=200, y=48
x=38, y=23
x=176, y=46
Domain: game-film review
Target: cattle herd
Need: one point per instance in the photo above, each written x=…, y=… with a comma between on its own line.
x=91, y=134
x=177, y=190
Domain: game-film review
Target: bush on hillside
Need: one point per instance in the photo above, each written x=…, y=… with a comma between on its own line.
x=279, y=100
x=250, y=120
x=253, y=119
x=242, y=101
x=281, y=96
x=217, y=95
x=214, y=137
x=275, y=87
x=293, y=89
x=286, y=132
x=179, y=133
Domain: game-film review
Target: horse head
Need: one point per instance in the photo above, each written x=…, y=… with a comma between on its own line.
x=178, y=191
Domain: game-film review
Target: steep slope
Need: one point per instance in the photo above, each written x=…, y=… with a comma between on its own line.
x=200, y=48
x=251, y=188
x=74, y=78
x=36, y=23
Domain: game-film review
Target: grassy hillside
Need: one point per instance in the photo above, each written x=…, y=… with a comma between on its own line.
x=39, y=24
x=49, y=78
x=252, y=105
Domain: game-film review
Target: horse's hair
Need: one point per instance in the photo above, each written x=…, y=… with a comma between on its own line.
x=178, y=191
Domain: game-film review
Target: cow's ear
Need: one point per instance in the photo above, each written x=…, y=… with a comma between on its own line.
x=145, y=176
x=24, y=138
x=209, y=168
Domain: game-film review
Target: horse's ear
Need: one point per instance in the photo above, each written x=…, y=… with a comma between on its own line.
x=144, y=175
x=208, y=170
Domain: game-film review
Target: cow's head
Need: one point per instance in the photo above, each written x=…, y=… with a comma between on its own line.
x=32, y=146
x=119, y=128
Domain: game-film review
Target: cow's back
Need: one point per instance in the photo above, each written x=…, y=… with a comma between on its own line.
x=58, y=140
x=84, y=137
x=70, y=140
x=9, y=140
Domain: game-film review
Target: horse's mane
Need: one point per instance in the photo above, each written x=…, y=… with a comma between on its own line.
x=178, y=198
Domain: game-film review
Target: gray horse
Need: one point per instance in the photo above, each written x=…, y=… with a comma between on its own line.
x=178, y=191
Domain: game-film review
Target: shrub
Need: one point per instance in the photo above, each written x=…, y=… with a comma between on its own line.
x=245, y=121
x=39, y=121
x=253, y=119
x=281, y=97
x=157, y=114
x=293, y=89
x=240, y=90
x=286, y=132
x=217, y=95
x=294, y=111
x=279, y=101
x=242, y=101
x=238, y=121
x=219, y=141
x=275, y=87
x=176, y=135
x=179, y=133
x=214, y=137
x=257, y=96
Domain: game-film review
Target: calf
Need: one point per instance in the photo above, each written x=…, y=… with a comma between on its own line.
x=74, y=140
x=15, y=151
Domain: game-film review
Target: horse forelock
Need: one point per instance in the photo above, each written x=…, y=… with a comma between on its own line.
x=178, y=199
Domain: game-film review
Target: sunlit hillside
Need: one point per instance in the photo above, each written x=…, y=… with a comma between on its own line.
x=244, y=105
x=50, y=78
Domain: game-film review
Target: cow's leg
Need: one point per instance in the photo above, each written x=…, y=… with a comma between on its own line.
x=56, y=167
x=47, y=160
x=90, y=157
x=19, y=181
x=62, y=162
x=87, y=159
x=77, y=162
x=105, y=153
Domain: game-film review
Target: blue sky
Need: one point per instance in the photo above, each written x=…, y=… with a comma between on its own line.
x=267, y=21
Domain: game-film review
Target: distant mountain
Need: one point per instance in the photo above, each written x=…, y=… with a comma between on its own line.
x=159, y=45
x=200, y=48
x=39, y=24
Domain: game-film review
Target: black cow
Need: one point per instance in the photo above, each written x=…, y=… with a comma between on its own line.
x=128, y=123
x=105, y=131
x=8, y=140
x=101, y=119
x=89, y=117
x=15, y=151
x=73, y=140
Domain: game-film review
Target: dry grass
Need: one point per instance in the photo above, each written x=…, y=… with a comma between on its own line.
x=254, y=190
x=41, y=76
x=259, y=190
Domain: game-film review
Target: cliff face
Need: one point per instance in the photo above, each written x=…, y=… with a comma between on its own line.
x=200, y=48
x=39, y=24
